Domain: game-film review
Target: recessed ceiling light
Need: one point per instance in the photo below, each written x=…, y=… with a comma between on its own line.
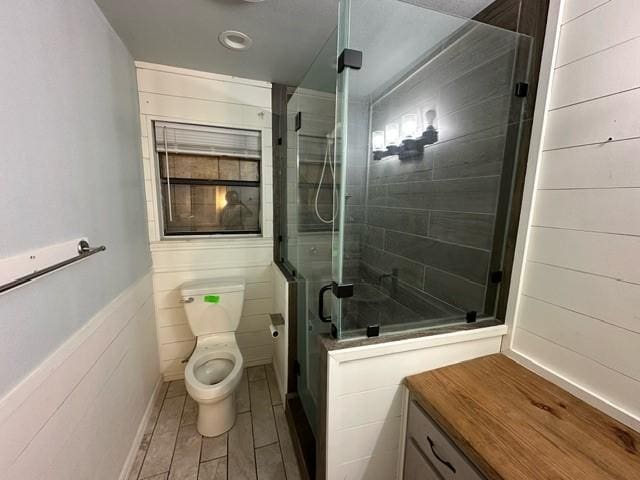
x=235, y=40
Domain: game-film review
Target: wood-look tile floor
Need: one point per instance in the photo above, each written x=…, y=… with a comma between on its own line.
x=258, y=447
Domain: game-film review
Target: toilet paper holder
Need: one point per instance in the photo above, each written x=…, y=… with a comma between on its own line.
x=277, y=321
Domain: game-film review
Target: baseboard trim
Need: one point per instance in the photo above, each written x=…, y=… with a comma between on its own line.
x=170, y=377
x=141, y=429
x=257, y=363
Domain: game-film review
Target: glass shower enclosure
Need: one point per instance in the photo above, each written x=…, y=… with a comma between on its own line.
x=402, y=139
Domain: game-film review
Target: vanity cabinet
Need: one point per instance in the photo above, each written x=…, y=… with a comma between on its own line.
x=430, y=454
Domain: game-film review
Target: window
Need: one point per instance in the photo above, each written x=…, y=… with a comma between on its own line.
x=209, y=179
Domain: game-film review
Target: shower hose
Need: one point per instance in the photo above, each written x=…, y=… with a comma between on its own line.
x=327, y=159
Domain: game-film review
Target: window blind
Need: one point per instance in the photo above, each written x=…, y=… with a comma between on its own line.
x=202, y=140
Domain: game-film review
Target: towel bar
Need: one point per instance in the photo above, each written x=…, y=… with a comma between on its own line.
x=84, y=251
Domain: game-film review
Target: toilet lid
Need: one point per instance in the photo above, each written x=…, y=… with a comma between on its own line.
x=213, y=370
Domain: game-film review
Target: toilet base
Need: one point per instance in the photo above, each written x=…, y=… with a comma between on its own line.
x=216, y=418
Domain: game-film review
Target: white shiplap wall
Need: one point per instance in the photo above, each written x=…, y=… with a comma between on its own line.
x=366, y=399
x=577, y=309
x=81, y=413
x=176, y=94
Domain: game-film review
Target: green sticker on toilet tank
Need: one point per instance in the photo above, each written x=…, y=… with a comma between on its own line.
x=212, y=298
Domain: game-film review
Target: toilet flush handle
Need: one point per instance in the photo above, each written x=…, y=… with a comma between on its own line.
x=186, y=300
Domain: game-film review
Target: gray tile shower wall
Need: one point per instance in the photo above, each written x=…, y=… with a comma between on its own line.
x=316, y=166
x=356, y=179
x=431, y=218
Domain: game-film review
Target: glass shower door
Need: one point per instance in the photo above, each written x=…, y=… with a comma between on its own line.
x=310, y=211
x=426, y=137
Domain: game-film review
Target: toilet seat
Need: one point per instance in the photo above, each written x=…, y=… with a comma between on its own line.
x=207, y=393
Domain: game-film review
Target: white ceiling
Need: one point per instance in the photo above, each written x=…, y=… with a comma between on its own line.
x=287, y=34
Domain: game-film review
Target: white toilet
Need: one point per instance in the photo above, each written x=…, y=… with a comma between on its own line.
x=213, y=309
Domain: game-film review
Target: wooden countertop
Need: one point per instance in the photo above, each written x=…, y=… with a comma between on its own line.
x=513, y=424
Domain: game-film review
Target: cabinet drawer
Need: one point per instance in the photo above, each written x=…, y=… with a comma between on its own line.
x=437, y=447
x=416, y=465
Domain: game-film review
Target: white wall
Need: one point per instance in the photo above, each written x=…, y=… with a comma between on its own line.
x=366, y=443
x=78, y=356
x=176, y=94
x=575, y=307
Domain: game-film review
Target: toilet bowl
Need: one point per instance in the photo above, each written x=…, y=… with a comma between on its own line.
x=211, y=377
x=212, y=374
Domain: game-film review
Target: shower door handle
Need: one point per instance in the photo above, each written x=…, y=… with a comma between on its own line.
x=323, y=317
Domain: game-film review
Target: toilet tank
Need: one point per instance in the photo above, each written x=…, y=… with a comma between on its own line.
x=213, y=305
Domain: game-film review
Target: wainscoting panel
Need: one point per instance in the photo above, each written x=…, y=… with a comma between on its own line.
x=174, y=265
x=79, y=414
x=366, y=443
x=175, y=337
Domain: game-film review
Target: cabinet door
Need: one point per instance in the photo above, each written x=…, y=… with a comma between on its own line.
x=439, y=450
x=416, y=465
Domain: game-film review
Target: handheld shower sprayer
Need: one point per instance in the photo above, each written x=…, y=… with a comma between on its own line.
x=328, y=158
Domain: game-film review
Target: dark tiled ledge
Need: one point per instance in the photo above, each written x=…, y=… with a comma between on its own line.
x=329, y=343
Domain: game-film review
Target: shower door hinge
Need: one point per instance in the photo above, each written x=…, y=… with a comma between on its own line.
x=279, y=140
x=522, y=89
x=343, y=290
x=496, y=277
x=296, y=368
x=350, y=58
x=298, y=121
